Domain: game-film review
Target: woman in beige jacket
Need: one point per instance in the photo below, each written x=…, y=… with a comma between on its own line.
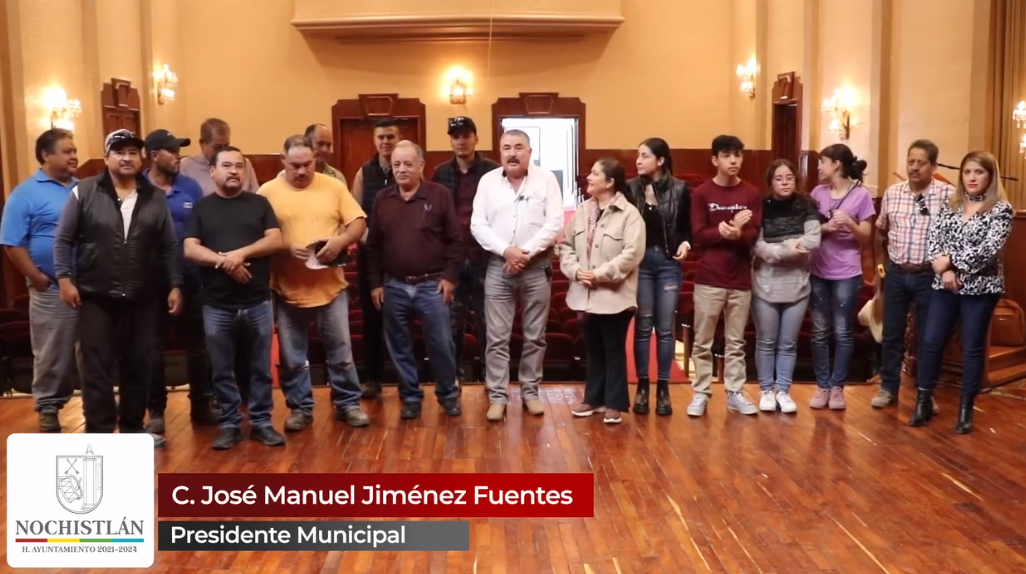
x=601, y=251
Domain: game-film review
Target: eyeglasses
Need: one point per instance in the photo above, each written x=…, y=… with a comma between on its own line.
x=921, y=205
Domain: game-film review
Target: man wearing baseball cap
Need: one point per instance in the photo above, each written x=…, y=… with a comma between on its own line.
x=461, y=175
x=182, y=194
x=114, y=225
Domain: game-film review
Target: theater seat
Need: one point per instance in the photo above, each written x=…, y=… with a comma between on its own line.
x=559, y=355
x=21, y=302
x=572, y=328
x=11, y=315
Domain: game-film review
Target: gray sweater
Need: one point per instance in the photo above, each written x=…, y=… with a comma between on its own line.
x=779, y=274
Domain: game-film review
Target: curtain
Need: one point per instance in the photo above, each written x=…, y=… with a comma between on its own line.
x=1009, y=49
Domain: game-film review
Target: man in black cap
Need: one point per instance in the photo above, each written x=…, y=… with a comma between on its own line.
x=113, y=226
x=182, y=194
x=461, y=175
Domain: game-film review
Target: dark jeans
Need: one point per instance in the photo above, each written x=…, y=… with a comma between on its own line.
x=902, y=289
x=405, y=302
x=229, y=334
x=659, y=280
x=946, y=308
x=373, y=326
x=294, y=345
x=188, y=331
x=469, y=296
x=833, y=305
x=117, y=337
x=605, y=382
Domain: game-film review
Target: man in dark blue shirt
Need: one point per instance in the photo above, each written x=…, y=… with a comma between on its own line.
x=27, y=233
x=183, y=193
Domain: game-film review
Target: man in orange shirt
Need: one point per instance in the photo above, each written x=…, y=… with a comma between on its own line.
x=313, y=209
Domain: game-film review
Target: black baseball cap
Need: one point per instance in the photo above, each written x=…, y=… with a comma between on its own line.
x=163, y=139
x=120, y=139
x=462, y=123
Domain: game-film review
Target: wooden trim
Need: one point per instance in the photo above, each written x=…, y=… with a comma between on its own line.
x=375, y=107
x=541, y=104
x=459, y=27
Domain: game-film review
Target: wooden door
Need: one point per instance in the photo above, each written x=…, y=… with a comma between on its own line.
x=353, y=122
x=787, y=117
x=356, y=137
x=120, y=103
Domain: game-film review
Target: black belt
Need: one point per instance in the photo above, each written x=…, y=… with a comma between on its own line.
x=913, y=267
x=415, y=279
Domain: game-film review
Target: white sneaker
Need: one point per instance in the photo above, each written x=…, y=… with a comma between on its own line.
x=697, y=406
x=737, y=401
x=767, y=402
x=786, y=403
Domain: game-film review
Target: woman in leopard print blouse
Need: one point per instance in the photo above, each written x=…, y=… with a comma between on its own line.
x=965, y=244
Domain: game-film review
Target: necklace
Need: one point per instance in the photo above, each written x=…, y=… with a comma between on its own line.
x=975, y=198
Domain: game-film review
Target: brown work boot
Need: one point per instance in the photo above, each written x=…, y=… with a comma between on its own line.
x=496, y=412
x=534, y=406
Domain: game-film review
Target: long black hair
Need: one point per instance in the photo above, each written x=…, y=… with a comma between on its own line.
x=661, y=150
x=852, y=167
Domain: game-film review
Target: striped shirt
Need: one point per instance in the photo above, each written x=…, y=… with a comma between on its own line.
x=902, y=217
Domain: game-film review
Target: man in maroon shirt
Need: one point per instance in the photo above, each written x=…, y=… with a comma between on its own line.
x=415, y=249
x=725, y=217
x=461, y=175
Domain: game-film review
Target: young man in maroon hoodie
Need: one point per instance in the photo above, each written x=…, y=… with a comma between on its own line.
x=725, y=217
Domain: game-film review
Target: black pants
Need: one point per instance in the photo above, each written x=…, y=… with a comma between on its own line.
x=946, y=309
x=902, y=290
x=373, y=339
x=118, y=339
x=188, y=331
x=605, y=383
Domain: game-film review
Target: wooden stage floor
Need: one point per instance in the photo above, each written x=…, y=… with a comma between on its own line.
x=816, y=492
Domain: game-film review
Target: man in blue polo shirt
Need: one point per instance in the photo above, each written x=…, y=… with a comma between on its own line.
x=183, y=193
x=27, y=232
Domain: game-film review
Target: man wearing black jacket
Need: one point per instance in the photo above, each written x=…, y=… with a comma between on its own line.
x=461, y=176
x=374, y=176
x=112, y=227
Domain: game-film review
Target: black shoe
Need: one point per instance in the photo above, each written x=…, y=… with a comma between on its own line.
x=965, y=416
x=48, y=422
x=204, y=412
x=371, y=390
x=156, y=424
x=663, y=406
x=227, y=438
x=451, y=407
x=641, y=398
x=267, y=435
x=924, y=408
x=410, y=411
x=298, y=421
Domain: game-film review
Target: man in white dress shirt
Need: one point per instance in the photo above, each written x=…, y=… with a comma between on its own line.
x=518, y=212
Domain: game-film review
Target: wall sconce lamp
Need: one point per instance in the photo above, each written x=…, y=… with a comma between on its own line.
x=840, y=117
x=1019, y=115
x=746, y=74
x=62, y=110
x=167, y=81
x=458, y=92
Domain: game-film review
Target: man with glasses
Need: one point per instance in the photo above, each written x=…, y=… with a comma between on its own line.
x=461, y=175
x=906, y=212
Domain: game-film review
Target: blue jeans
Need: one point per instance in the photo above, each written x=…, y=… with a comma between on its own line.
x=294, y=344
x=946, y=308
x=833, y=305
x=403, y=303
x=659, y=280
x=776, y=345
x=247, y=332
x=902, y=289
